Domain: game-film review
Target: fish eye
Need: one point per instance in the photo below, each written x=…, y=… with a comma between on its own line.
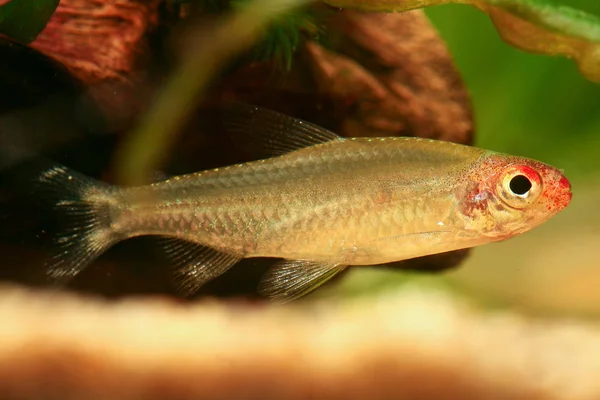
x=519, y=186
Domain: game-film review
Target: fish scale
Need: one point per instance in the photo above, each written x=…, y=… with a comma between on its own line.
x=296, y=210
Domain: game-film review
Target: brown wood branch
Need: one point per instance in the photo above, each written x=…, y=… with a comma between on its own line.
x=104, y=43
x=396, y=74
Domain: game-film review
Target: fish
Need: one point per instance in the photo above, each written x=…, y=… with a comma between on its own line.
x=317, y=201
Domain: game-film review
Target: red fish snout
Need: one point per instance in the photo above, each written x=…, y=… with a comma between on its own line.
x=557, y=190
x=564, y=188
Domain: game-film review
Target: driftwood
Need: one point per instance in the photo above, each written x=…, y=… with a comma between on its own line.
x=106, y=44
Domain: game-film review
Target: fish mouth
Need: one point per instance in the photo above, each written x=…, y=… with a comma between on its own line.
x=565, y=192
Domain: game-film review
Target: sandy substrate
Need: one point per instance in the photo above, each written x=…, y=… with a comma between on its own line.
x=414, y=344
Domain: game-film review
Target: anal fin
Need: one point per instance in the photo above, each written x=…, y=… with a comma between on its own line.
x=195, y=264
x=288, y=280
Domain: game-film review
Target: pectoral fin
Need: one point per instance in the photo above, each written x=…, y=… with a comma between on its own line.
x=194, y=264
x=290, y=279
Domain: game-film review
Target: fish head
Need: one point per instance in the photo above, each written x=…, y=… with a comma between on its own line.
x=509, y=195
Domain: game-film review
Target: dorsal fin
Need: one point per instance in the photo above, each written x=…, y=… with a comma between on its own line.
x=275, y=133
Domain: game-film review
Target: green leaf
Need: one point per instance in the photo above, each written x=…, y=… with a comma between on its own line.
x=23, y=20
x=532, y=25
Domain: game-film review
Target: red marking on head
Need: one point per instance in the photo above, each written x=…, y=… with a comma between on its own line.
x=486, y=179
x=556, y=187
x=475, y=200
x=529, y=173
x=477, y=184
x=564, y=184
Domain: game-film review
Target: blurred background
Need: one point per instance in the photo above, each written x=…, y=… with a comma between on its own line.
x=525, y=104
x=539, y=107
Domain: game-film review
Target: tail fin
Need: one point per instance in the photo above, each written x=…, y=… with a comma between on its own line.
x=84, y=209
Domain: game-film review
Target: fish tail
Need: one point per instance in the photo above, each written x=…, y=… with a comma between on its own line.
x=84, y=210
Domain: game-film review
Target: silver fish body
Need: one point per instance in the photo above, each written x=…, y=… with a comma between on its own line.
x=357, y=201
x=326, y=203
